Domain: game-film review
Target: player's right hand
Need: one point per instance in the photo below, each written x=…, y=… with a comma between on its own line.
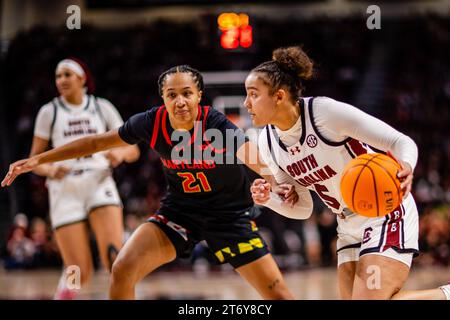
x=17, y=168
x=287, y=193
x=260, y=190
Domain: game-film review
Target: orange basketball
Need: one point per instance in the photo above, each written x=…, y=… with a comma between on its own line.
x=369, y=185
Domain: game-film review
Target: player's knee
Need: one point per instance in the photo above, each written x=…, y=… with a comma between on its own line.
x=122, y=271
x=118, y=269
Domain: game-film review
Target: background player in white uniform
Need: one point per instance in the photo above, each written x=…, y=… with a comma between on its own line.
x=82, y=192
x=307, y=142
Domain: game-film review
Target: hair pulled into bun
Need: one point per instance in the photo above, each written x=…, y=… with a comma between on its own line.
x=294, y=60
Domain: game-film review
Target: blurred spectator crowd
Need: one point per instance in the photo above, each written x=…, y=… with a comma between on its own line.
x=415, y=99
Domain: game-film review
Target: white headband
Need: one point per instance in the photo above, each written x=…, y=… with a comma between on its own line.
x=72, y=65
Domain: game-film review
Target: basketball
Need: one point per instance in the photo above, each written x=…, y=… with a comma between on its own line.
x=369, y=185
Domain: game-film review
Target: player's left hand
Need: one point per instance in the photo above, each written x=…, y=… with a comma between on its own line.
x=405, y=175
x=115, y=157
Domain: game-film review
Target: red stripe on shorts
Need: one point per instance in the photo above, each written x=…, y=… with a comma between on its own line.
x=393, y=233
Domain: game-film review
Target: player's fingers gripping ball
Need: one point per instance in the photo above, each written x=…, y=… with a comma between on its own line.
x=369, y=185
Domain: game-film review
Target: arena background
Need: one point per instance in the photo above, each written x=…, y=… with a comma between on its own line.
x=399, y=73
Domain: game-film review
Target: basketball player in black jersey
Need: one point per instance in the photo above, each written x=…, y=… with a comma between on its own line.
x=208, y=194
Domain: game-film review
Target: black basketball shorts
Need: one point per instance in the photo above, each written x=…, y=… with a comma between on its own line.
x=237, y=242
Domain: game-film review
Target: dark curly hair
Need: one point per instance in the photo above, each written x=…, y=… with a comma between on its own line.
x=288, y=67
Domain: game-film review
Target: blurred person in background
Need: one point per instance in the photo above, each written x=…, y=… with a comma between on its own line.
x=132, y=222
x=434, y=237
x=21, y=220
x=326, y=224
x=82, y=192
x=47, y=253
x=20, y=250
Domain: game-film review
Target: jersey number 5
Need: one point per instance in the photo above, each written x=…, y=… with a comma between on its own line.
x=332, y=202
x=192, y=183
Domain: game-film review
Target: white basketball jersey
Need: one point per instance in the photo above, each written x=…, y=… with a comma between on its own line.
x=70, y=124
x=315, y=162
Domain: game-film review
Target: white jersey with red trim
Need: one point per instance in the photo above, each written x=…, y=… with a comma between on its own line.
x=313, y=161
x=60, y=122
x=312, y=155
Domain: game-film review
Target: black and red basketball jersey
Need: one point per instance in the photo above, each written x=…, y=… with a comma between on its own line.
x=202, y=172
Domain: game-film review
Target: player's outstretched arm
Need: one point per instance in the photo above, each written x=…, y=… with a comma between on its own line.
x=76, y=149
x=48, y=170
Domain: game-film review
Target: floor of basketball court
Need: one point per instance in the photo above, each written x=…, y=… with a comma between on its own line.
x=311, y=284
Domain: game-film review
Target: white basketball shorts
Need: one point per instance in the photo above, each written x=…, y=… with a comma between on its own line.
x=77, y=194
x=394, y=235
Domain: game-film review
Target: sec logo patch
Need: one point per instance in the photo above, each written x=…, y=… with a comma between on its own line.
x=311, y=141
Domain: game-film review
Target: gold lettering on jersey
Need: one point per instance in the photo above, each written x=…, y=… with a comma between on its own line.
x=77, y=127
x=308, y=169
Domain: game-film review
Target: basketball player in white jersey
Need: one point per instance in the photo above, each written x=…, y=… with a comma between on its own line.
x=307, y=142
x=82, y=192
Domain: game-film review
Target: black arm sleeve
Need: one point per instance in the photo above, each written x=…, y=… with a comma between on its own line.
x=138, y=128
